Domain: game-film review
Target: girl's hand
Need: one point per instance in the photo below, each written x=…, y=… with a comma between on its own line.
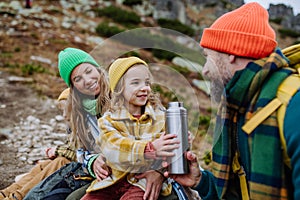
x=165, y=144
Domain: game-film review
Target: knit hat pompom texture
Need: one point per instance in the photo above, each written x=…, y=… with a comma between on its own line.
x=119, y=67
x=70, y=58
x=243, y=32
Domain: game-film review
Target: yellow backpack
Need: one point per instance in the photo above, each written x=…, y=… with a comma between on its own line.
x=285, y=92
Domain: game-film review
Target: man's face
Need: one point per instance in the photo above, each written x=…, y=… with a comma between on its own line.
x=218, y=70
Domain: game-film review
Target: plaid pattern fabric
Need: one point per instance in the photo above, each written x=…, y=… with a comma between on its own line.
x=260, y=152
x=66, y=151
x=123, y=140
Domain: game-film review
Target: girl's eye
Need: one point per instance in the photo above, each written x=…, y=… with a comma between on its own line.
x=135, y=83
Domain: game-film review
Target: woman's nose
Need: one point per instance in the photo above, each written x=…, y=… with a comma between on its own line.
x=87, y=80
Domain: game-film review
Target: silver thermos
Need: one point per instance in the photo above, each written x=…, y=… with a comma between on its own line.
x=176, y=123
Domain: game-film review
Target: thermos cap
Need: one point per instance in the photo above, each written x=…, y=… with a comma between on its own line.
x=175, y=104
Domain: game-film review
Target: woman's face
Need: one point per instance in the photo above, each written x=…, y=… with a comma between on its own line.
x=85, y=78
x=136, y=88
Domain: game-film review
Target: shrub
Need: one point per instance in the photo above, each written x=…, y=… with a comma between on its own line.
x=176, y=25
x=296, y=42
x=288, y=32
x=9, y=65
x=105, y=30
x=276, y=20
x=132, y=53
x=162, y=54
x=204, y=121
x=146, y=39
x=182, y=70
x=132, y=2
x=119, y=15
x=17, y=49
x=29, y=69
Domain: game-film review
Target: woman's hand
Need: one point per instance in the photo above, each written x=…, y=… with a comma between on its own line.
x=154, y=181
x=100, y=168
x=50, y=152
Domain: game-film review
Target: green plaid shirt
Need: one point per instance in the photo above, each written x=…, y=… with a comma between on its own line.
x=260, y=152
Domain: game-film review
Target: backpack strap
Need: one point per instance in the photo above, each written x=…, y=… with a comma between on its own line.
x=293, y=54
x=261, y=115
x=285, y=92
x=239, y=169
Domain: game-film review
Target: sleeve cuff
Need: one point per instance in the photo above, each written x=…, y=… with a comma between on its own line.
x=150, y=152
x=90, y=165
x=206, y=188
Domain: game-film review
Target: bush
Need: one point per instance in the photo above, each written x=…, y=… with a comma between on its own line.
x=30, y=69
x=204, y=121
x=132, y=53
x=119, y=15
x=276, y=20
x=17, y=49
x=103, y=29
x=176, y=25
x=162, y=54
x=132, y=2
x=288, y=32
x=297, y=42
x=146, y=39
x=182, y=70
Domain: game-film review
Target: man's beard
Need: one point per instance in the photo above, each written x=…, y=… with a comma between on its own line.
x=216, y=90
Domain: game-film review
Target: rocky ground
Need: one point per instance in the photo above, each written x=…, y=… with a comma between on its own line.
x=29, y=124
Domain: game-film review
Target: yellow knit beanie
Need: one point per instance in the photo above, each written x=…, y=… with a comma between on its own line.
x=119, y=67
x=64, y=94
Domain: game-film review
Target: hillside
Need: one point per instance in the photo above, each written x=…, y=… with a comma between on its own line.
x=30, y=40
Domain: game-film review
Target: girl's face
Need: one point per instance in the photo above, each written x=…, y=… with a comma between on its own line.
x=136, y=88
x=85, y=77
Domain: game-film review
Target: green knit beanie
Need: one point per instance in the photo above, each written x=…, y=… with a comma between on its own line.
x=69, y=58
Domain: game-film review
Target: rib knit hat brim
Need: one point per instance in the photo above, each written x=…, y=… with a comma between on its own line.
x=244, y=32
x=119, y=67
x=70, y=58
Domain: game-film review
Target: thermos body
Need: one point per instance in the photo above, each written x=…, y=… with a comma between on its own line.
x=176, y=123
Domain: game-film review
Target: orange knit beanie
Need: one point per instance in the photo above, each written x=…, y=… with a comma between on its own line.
x=242, y=32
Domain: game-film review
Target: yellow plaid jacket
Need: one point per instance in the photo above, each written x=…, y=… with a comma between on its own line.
x=123, y=139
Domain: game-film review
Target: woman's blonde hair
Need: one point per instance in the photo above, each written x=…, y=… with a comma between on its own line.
x=77, y=114
x=117, y=98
